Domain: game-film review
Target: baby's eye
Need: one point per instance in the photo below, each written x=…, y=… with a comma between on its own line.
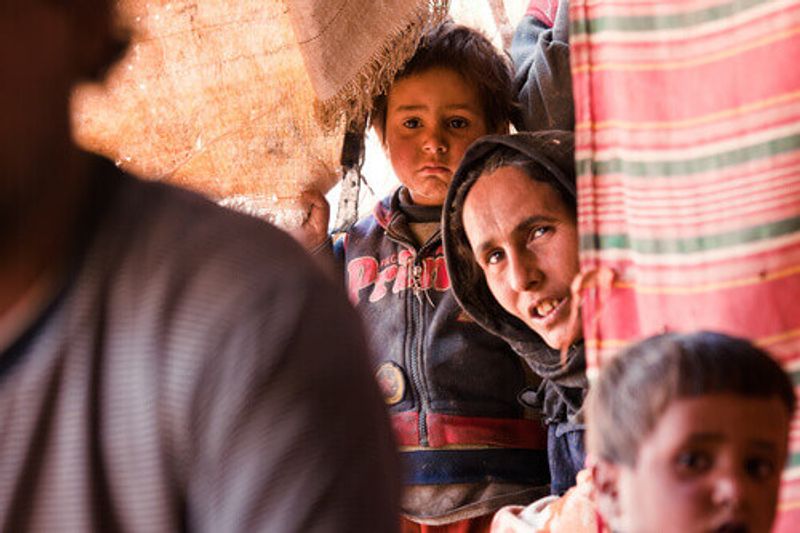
x=458, y=123
x=759, y=468
x=693, y=462
x=412, y=123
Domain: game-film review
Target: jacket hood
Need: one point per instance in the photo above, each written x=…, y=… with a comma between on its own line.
x=554, y=151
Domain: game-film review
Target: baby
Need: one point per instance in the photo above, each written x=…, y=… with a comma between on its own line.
x=688, y=432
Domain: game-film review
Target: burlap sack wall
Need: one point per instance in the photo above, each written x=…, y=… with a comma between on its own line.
x=213, y=95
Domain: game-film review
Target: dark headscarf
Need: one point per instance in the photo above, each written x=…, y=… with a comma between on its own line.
x=564, y=383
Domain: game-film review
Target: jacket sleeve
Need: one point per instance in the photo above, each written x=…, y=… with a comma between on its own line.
x=540, y=53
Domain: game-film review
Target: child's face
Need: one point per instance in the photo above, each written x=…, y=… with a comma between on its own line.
x=526, y=242
x=712, y=464
x=431, y=119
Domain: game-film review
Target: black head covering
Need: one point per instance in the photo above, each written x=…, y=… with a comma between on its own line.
x=561, y=394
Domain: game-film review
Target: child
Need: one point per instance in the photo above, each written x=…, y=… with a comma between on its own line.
x=451, y=387
x=689, y=433
x=511, y=243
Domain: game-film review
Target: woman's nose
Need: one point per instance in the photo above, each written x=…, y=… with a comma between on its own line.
x=524, y=273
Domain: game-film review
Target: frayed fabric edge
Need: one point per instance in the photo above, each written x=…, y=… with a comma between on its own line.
x=351, y=103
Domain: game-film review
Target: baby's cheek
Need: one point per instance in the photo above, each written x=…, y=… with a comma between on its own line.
x=691, y=499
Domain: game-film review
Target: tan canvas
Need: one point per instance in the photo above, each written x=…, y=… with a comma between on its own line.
x=212, y=95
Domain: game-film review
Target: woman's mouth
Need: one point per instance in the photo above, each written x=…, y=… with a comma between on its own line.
x=547, y=308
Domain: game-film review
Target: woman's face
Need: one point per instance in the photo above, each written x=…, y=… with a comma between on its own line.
x=526, y=242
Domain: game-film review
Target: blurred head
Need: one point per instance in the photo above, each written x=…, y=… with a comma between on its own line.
x=457, y=87
x=689, y=432
x=45, y=47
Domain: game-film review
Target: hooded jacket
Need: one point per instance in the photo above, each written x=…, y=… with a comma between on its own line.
x=564, y=385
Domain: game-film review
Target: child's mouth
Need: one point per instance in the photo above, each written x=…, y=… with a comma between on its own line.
x=435, y=169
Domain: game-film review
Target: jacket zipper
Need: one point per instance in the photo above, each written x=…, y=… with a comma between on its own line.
x=416, y=354
x=417, y=327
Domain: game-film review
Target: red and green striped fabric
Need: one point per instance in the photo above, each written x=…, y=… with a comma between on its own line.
x=688, y=154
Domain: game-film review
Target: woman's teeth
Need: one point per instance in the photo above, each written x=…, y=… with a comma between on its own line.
x=546, y=306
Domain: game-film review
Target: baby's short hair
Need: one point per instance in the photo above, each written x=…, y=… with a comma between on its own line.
x=469, y=53
x=637, y=387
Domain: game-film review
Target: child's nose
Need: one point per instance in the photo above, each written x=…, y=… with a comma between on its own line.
x=435, y=141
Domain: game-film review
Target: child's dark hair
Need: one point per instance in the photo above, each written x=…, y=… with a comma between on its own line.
x=636, y=387
x=469, y=53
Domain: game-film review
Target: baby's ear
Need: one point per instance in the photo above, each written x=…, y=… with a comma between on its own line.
x=605, y=477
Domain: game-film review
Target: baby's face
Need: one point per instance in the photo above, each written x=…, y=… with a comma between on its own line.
x=712, y=464
x=431, y=119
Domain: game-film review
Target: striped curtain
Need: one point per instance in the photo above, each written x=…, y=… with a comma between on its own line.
x=688, y=154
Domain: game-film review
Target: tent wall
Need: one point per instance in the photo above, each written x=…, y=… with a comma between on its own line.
x=688, y=154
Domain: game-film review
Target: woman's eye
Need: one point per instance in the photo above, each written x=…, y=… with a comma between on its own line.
x=412, y=123
x=458, y=123
x=494, y=257
x=759, y=468
x=539, y=232
x=693, y=462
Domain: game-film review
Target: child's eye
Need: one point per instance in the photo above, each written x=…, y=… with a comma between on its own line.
x=412, y=123
x=759, y=468
x=458, y=123
x=693, y=462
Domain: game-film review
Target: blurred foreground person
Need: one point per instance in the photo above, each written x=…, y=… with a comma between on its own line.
x=165, y=364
